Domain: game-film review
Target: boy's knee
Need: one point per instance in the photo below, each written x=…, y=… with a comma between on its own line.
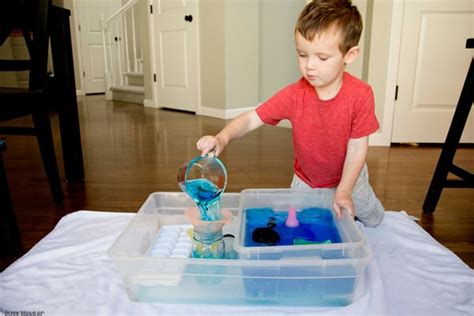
x=368, y=208
x=372, y=221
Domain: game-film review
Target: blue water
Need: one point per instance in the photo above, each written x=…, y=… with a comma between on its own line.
x=206, y=195
x=316, y=225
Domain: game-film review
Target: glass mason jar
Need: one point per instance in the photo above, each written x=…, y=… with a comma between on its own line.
x=208, y=245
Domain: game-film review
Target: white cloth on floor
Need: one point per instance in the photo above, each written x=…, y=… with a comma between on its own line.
x=69, y=273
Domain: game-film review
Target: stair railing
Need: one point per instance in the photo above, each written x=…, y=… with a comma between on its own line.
x=122, y=52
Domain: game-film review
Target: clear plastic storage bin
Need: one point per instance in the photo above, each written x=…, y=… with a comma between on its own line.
x=351, y=245
x=301, y=280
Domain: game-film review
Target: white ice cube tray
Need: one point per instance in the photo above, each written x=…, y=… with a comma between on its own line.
x=172, y=241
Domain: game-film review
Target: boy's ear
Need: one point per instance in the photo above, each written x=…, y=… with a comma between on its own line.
x=351, y=55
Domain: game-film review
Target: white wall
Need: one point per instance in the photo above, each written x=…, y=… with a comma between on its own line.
x=246, y=50
x=357, y=68
x=254, y=43
x=241, y=53
x=212, y=53
x=377, y=66
x=277, y=56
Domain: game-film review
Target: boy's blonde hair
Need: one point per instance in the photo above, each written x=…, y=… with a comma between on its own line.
x=320, y=15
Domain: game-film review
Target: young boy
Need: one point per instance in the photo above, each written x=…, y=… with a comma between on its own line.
x=331, y=112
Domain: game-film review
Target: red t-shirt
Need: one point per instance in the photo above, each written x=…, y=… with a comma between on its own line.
x=322, y=128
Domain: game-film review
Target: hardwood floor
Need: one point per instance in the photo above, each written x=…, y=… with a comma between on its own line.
x=131, y=151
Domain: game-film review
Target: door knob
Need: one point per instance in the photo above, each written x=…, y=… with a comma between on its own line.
x=188, y=18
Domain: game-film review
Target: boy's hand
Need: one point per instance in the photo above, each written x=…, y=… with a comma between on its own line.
x=211, y=145
x=343, y=200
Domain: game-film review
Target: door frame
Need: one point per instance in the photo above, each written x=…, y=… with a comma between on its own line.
x=80, y=89
x=153, y=102
x=384, y=136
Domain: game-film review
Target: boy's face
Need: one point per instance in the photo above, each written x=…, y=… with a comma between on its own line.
x=321, y=62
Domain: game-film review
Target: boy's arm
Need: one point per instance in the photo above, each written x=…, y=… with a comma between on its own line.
x=355, y=159
x=237, y=128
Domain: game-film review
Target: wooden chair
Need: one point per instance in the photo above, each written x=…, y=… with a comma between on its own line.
x=446, y=159
x=10, y=242
x=31, y=18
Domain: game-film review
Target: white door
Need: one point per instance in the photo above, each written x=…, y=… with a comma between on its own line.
x=432, y=68
x=90, y=12
x=176, y=47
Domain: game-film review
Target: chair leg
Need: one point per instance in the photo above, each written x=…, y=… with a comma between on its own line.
x=10, y=239
x=446, y=159
x=44, y=136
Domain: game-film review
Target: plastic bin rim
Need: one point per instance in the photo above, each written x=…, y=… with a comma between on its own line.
x=183, y=194
x=270, y=249
x=290, y=261
x=288, y=189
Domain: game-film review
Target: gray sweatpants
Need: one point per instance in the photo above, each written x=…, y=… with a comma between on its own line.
x=368, y=209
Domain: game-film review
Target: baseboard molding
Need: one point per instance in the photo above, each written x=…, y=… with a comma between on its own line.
x=108, y=95
x=149, y=103
x=379, y=139
x=223, y=114
x=127, y=97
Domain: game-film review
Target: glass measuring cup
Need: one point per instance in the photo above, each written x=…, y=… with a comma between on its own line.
x=204, y=179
